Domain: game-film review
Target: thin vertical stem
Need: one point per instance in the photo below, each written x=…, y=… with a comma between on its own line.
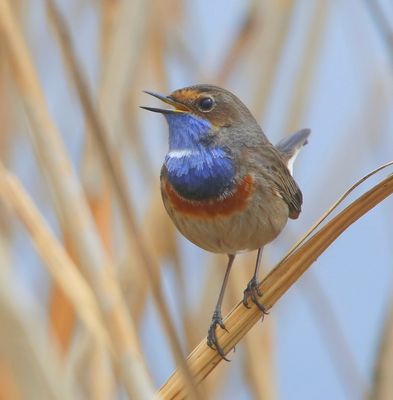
x=93, y=259
x=119, y=182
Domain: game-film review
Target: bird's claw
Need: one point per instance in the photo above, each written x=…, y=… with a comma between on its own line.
x=212, y=340
x=252, y=292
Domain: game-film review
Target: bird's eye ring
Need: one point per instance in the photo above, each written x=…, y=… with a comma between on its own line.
x=205, y=104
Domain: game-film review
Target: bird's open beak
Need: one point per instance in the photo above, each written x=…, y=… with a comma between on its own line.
x=179, y=107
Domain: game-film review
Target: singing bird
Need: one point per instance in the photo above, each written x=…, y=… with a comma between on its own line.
x=224, y=185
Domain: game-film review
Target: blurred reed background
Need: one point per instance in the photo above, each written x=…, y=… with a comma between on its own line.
x=100, y=298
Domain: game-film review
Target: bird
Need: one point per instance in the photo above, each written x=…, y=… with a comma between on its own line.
x=225, y=186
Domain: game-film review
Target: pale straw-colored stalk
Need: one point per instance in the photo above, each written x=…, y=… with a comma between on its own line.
x=247, y=32
x=258, y=362
x=74, y=210
x=278, y=16
x=240, y=320
x=8, y=385
x=303, y=78
x=26, y=348
x=119, y=182
x=382, y=387
x=59, y=264
x=331, y=332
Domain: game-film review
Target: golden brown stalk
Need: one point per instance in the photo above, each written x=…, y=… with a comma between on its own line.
x=121, y=65
x=62, y=314
x=59, y=264
x=8, y=385
x=239, y=44
x=27, y=350
x=304, y=76
x=382, y=383
x=277, y=21
x=339, y=350
x=240, y=320
x=101, y=385
x=382, y=25
x=61, y=311
x=119, y=182
x=109, y=14
x=258, y=358
x=75, y=212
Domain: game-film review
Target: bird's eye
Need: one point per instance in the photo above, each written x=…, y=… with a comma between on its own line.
x=205, y=104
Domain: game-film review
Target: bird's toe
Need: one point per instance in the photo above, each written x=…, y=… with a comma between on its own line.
x=253, y=292
x=212, y=340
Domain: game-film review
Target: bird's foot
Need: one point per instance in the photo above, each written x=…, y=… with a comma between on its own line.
x=252, y=292
x=212, y=340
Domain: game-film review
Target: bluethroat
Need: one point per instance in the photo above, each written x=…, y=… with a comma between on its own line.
x=224, y=185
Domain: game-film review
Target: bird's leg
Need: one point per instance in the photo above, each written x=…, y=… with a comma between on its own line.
x=212, y=341
x=252, y=290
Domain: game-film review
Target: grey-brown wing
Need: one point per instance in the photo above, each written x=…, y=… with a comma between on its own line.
x=278, y=175
x=287, y=189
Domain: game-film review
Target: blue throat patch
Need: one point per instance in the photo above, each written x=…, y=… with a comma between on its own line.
x=196, y=170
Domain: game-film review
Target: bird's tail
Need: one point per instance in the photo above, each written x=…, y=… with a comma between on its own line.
x=290, y=146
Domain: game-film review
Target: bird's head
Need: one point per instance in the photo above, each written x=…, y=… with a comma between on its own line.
x=202, y=114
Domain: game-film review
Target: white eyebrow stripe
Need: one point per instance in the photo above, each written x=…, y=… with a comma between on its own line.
x=180, y=153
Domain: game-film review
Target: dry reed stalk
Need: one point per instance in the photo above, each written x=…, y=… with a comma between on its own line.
x=109, y=15
x=62, y=315
x=59, y=264
x=240, y=320
x=151, y=63
x=122, y=60
x=8, y=386
x=7, y=123
x=165, y=246
x=118, y=179
x=75, y=212
x=101, y=384
x=79, y=367
x=61, y=311
x=247, y=31
x=270, y=49
x=5, y=106
x=155, y=222
x=152, y=54
x=209, y=292
x=305, y=73
x=100, y=381
x=124, y=25
x=332, y=334
x=343, y=360
x=382, y=24
x=259, y=368
x=382, y=385
x=27, y=350
x=335, y=205
x=258, y=360
x=197, y=321
x=73, y=293
x=156, y=48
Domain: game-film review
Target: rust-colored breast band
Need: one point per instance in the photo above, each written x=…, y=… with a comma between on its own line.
x=225, y=206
